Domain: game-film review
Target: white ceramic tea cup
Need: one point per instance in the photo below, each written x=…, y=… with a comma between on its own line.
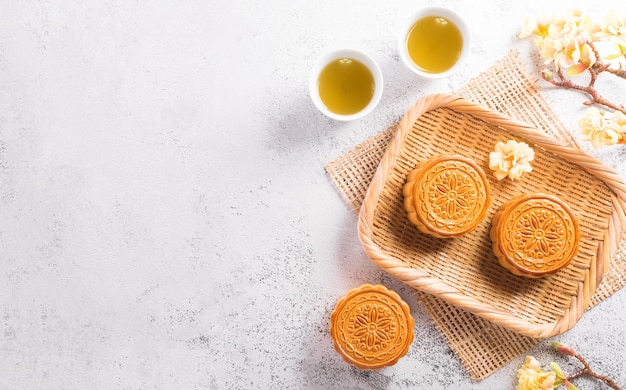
x=354, y=54
x=446, y=13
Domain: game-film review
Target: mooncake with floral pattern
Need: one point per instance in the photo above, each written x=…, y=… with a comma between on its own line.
x=446, y=196
x=535, y=235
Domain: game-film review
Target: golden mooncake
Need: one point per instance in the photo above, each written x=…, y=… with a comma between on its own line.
x=535, y=235
x=446, y=195
x=371, y=327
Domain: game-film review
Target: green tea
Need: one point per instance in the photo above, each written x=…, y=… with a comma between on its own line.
x=434, y=44
x=346, y=86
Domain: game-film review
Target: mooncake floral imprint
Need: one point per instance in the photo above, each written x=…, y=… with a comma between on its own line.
x=446, y=196
x=371, y=327
x=535, y=235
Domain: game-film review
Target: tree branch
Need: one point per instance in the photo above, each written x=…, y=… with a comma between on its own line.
x=589, y=89
x=588, y=371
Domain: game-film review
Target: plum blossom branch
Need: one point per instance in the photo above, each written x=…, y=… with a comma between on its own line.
x=586, y=370
x=531, y=376
x=589, y=89
x=569, y=44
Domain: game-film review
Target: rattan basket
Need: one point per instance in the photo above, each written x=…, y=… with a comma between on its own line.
x=464, y=271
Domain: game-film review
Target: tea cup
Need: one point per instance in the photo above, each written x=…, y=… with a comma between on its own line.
x=432, y=38
x=346, y=55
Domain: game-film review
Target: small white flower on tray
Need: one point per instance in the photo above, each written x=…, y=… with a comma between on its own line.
x=511, y=159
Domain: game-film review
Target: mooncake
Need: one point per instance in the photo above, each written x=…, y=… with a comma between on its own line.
x=446, y=195
x=535, y=235
x=371, y=327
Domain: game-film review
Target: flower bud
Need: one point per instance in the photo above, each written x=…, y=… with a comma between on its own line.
x=560, y=376
x=547, y=75
x=563, y=348
x=557, y=370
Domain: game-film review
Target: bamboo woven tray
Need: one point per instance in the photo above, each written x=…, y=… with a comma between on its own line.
x=464, y=271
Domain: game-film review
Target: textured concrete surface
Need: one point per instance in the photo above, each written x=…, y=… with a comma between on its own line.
x=165, y=218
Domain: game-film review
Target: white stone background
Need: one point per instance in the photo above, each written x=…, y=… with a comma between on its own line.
x=165, y=218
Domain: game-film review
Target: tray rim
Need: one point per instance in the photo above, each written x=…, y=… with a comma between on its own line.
x=423, y=281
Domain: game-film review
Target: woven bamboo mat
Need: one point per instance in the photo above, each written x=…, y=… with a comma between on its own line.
x=482, y=346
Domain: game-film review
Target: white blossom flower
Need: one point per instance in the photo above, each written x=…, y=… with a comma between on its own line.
x=511, y=159
x=603, y=128
x=530, y=376
x=533, y=26
x=563, y=40
x=612, y=28
x=618, y=122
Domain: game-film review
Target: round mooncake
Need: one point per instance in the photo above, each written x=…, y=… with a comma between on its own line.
x=371, y=327
x=446, y=195
x=535, y=235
